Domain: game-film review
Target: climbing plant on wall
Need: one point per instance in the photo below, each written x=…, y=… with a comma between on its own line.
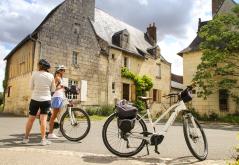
x=142, y=84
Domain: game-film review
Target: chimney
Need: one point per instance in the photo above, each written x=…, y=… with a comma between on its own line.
x=216, y=4
x=89, y=8
x=152, y=34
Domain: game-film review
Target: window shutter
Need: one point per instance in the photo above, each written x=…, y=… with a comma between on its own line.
x=83, y=90
x=159, y=96
x=133, y=92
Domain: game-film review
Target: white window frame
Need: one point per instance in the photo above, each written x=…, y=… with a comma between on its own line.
x=70, y=83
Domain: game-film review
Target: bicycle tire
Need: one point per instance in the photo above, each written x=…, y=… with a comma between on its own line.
x=86, y=131
x=187, y=139
x=109, y=147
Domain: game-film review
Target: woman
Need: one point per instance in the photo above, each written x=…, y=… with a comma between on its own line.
x=57, y=99
x=42, y=84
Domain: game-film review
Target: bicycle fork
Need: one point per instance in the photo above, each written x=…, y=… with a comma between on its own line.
x=72, y=116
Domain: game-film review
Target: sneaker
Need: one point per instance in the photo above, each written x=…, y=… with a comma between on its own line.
x=52, y=136
x=25, y=141
x=45, y=142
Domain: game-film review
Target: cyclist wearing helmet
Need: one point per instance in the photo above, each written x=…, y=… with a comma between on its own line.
x=42, y=83
x=57, y=99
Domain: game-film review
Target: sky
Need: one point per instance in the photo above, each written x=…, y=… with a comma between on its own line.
x=176, y=22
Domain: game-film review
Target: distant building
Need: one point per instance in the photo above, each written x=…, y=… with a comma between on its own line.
x=94, y=46
x=220, y=102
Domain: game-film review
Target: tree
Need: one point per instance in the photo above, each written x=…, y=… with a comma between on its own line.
x=219, y=67
x=1, y=98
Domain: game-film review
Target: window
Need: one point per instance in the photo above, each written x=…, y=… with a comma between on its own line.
x=113, y=56
x=156, y=95
x=126, y=62
x=70, y=83
x=158, y=71
x=113, y=87
x=74, y=58
x=223, y=99
x=155, y=92
x=9, y=91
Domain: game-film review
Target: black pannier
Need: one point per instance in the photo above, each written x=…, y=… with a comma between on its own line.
x=186, y=95
x=126, y=116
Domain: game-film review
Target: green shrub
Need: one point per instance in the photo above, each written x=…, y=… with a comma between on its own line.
x=91, y=111
x=1, y=98
x=140, y=105
x=1, y=108
x=105, y=110
x=213, y=116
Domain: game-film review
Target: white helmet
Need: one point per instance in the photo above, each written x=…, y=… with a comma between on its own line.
x=60, y=67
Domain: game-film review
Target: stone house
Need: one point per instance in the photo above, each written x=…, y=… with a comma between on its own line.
x=94, y=46
x=216, y=102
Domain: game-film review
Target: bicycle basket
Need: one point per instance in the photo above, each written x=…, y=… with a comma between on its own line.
x=186, y=95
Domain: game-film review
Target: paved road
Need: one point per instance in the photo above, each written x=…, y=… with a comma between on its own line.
x=221, y=140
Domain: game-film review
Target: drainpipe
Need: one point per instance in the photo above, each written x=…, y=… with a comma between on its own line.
x=40, y=50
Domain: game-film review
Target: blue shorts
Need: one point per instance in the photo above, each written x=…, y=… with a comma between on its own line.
x=56, y=102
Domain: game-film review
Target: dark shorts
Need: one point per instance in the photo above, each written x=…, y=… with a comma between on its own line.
x=34, y=106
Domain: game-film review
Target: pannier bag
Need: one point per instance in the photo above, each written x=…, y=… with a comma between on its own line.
x=186, y=95
x=126, y=116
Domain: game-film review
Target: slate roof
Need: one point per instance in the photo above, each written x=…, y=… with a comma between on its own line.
x=106, y=26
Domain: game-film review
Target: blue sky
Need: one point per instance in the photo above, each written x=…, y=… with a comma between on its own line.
x=176, y=22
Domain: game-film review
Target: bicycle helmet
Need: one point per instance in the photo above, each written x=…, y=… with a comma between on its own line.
x=60, y=67
x=44, y=64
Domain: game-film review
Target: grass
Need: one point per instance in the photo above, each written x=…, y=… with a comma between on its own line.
x=97, y=118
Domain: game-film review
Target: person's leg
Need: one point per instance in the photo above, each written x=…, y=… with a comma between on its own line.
x=33, y=108
x=29, y=124
x=43, y=118
x=53, y=117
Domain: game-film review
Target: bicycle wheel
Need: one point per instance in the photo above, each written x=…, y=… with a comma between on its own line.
x=195, y=138
x=123, y=144
x=76, y=126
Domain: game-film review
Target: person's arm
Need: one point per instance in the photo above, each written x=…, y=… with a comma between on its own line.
x=53, y=85
x=32, y=81
x=58, y=82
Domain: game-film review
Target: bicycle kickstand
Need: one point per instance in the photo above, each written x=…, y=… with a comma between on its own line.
x=156, y=149
x=147, y=146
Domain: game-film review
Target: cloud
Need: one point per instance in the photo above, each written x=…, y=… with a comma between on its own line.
x=18, y=18
x=176, y=21
x=170, y=16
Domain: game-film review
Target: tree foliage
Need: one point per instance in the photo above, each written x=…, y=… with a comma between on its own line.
x=219, y=67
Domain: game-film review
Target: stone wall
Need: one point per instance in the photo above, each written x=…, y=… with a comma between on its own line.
x=20, y=69
x=67, y=30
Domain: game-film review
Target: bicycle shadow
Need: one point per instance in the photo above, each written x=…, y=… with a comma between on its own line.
x=15, y=141
x=187, y=160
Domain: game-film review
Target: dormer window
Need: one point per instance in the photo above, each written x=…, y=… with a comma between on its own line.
x=121, y=39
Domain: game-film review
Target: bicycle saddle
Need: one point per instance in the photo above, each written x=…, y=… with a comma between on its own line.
x=144, y=98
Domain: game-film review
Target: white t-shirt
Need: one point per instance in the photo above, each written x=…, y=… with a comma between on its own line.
x=42, y=84
x=60, y=92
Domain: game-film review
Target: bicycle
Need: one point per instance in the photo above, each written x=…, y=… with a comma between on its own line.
x=73, y=119
x=132, y=136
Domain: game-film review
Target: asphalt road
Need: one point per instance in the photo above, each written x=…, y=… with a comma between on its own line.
x=221, y=140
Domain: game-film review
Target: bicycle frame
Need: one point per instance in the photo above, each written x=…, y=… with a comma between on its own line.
x=176, y=108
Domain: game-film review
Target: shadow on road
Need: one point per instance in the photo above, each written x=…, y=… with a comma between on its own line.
x=109, y=159
x=16, y=140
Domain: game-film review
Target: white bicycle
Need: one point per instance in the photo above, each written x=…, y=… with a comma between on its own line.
x=125, y=133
